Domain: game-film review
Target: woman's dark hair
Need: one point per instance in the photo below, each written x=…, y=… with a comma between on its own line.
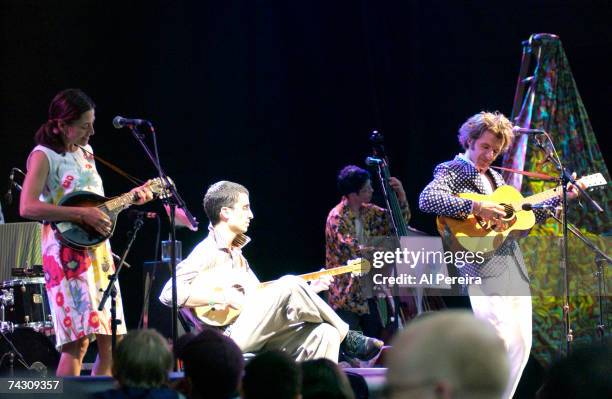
x=351, y=179
x=67, y=106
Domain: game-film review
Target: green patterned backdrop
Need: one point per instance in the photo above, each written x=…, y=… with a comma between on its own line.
x=558, y=109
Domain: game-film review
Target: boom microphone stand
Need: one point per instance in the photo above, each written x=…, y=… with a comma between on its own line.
x=173, y=200
x=600, y=260
x=565, y=178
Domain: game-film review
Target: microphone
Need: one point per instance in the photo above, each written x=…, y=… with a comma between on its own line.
x=39, y=368
x=20, y=171
x=524, y=130
x=370, y=161
x=9, y=194
x=532, y=207
x=119, y=122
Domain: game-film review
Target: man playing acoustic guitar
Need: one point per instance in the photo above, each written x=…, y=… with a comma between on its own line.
x=216, y=284
x=503, y=298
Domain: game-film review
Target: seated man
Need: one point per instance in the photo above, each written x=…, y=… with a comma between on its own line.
x=217, y=282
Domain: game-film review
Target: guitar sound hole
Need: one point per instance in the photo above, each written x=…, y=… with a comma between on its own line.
x=507, y=221
x=509, y=211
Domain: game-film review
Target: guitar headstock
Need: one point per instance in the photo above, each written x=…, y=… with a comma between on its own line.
x=594, y=180
x=160, y=187
x=359, y=266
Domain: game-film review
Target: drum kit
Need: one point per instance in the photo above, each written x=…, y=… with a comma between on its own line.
x=26, y=325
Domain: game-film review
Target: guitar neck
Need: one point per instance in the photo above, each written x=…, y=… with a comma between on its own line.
x=593, y=180
x=315, y=275
x=329, y=272
x=119, y=203
x=537, y=198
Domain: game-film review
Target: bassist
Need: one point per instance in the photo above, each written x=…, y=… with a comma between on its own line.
x=349, y=226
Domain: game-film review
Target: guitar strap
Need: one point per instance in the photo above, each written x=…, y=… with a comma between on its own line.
x=114, y=168
x=534, y=175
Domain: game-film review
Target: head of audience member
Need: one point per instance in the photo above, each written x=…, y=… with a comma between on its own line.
x=448, y=354
x=586, y=374
x=213, y=365
x=228, y=202
x=271, y=375
x=323, y=379
x=71, y=115
x=484, y=136
x=354, y=183
x=142, y=359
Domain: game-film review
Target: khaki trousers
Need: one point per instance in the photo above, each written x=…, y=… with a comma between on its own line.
x=288, y=316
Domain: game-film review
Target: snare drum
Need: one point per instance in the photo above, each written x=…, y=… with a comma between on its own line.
x=25, y=303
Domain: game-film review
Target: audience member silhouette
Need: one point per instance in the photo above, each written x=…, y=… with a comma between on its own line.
x=142, y=361
x=213, y=365
x=586, y=374
x=271, y=375
x=323, y=379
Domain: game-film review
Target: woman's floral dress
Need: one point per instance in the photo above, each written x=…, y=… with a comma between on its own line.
x=74, y=278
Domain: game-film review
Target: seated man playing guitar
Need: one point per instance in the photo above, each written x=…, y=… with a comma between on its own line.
x=503, y=298
x=217, y=284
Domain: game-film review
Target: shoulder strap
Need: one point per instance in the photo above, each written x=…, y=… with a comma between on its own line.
x=535, y=175
x=114, y=168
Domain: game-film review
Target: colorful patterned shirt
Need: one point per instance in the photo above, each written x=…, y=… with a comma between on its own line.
x=342, y=245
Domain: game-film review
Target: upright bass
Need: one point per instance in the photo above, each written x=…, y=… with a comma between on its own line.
x=420, y=302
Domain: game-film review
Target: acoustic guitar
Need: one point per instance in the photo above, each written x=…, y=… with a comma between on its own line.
x=222, y=315
x=81, y=236
x=475, y=235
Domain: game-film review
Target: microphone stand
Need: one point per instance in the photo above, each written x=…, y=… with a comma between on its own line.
x=565, y=178
x=12, y=184
x=12, y=353
x=600, y=259
x=111, y=290
x=173, y=200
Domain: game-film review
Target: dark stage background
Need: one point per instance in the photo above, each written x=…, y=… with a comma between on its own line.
x=279, y=95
